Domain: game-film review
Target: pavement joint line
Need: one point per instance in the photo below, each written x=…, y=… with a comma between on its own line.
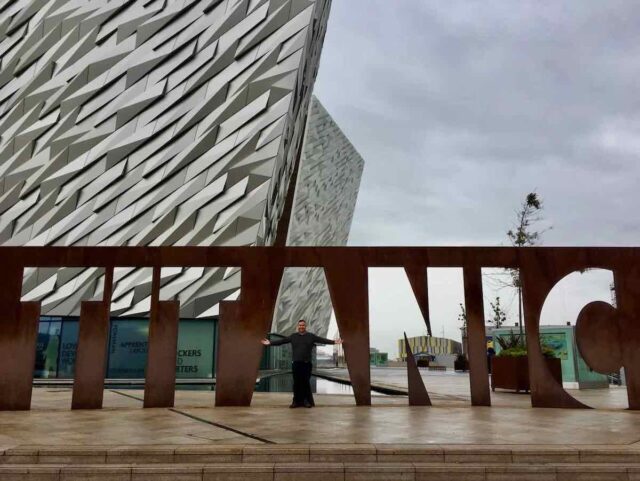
x=196, y=418
x=127, y=395
x=222, y=426
x=197, y=436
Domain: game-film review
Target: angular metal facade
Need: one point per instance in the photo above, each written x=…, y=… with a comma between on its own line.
x=150, y=123
x=325, y=199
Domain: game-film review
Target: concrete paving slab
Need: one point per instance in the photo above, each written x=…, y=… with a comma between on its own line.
x=335, y=420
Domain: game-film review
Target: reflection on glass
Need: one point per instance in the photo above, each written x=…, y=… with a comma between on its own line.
x=129, y=341
x=284, y=383
x=128, y=349
x=195, y=349
x=46, y=364
x=68, y=344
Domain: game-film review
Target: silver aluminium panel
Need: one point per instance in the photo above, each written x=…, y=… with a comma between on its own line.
x=157, y=122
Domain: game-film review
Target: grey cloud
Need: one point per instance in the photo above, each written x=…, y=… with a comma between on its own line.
x=460, y=108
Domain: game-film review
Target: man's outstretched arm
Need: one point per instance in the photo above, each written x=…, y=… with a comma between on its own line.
x=277, y=342
x=322, y=340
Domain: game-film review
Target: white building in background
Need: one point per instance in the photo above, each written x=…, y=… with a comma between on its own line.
x=167, y=123
x=325, y=199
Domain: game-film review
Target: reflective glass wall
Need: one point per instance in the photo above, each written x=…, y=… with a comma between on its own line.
x=47, y=348
x=127, y=350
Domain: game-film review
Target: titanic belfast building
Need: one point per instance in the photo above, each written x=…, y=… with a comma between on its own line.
x=167, y=122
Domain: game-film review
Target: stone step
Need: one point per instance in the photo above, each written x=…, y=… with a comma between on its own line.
x=323, y=472
x=320, y=453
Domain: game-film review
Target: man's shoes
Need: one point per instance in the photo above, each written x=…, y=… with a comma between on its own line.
x=307, y=404
x=294, y=405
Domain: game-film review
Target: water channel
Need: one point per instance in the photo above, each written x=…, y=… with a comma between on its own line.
x=284, y=383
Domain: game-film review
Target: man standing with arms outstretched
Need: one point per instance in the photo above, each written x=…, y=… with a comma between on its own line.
x=302, y=343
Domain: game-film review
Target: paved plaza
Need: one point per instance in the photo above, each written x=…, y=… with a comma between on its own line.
x=451, y=420
x=452, y=388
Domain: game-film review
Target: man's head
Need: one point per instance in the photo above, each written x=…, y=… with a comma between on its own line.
x=302, y=326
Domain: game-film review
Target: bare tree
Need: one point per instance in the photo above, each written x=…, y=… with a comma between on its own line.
x=462, y=317
x=528, y=214
x=499, y=316
x=524, y=234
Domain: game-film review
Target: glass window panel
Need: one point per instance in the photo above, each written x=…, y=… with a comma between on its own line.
x=47, y=346
x=68, y=345
x=195, y=349
x=128, y=348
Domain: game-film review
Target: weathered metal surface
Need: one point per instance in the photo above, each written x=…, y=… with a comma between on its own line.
x=538, y=274
x=17, y=358
x=598, y=337
x=244, y=322
x=608, y=337
x=627, y=283
x=91, y=350
x=91, y=356
x=347, y=278
x=160, y=374
x=418, y=395
x=418, y=279
x=476, y=337
x=12, y=338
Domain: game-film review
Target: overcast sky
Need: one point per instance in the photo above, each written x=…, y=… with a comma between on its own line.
x=460, y=108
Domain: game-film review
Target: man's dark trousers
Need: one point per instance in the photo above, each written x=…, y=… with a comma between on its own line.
x=301, y=383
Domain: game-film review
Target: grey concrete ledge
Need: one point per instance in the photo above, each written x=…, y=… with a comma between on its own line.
x=331, y=471
x=321, y=453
